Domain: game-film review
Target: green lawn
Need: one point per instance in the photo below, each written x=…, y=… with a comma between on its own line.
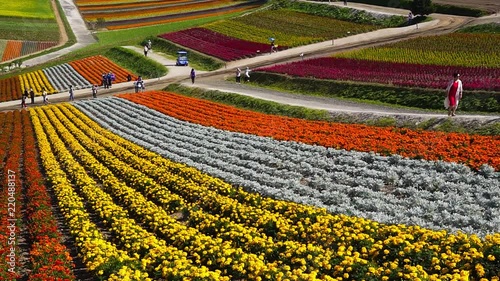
x=28, y=29
x=36, y=9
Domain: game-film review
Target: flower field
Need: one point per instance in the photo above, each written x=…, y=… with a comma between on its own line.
x=216, y=44
x=80, y=74
x=148, y=196
x=126, y=14
x=48, y=257
x=456, y=49
x=14, y=48
x=249, y=35
x=400, y=74
x=289, y=28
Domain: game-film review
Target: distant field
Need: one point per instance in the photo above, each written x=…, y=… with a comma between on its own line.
x=36, y=9
x=28, y=29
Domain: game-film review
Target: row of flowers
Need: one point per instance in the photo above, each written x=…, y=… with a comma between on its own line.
x=10, y=196
x=380, y=188
x=471, y=150
x=400, y=74
x=12, y=50
x=456, y=49
x=362, y=253
x=82, y=73
x=98, y=254
x=288, y=28
x=152, y=253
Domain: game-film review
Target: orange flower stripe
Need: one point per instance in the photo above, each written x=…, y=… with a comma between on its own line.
x=472, y=150
x=110, y=6
x=92, y=68
x=12, y=50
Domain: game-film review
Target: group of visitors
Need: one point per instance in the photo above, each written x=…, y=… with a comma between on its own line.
x=107, y=80
x=31, y=95
x=238, y=75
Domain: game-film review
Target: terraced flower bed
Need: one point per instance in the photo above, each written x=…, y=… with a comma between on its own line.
x=400, y=74
x=92, y=68
x=127, y=14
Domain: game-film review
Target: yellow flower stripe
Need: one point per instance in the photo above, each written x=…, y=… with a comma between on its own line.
x=36, y=80
x=232, y=261
x=142, y=244
x=96, y=252
x=351, y=236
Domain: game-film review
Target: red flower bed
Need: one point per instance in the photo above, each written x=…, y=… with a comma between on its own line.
x=401, y=74
x=472, y=150
x=92, y=68
x=216, y=44
x=10, y=89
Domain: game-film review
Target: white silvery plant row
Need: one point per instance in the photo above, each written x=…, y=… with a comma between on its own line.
x=433, y=194
x=63, y=75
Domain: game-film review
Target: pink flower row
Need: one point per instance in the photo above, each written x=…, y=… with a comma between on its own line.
x=400, y=74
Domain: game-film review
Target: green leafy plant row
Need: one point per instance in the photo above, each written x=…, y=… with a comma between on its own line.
x=135, y=62
x=410, y=97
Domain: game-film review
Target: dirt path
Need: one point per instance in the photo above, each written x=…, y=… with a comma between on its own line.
x=63, y=36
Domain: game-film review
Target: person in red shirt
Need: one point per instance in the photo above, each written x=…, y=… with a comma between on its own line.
x=454, y=94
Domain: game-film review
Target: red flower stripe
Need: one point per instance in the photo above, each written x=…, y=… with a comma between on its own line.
x=472, y=150
x=92, y=68
x=401, y=74
x=10, y=89
x=216, y=44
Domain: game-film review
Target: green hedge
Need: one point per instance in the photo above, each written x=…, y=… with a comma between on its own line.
x=249, y=103
x=482, y=28
x=135, y=62
x=412, y=97
x=202, y=61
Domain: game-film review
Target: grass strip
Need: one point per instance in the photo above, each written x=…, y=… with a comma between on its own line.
x=137, y=63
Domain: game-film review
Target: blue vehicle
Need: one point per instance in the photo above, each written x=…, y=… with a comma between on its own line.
x=182, y=58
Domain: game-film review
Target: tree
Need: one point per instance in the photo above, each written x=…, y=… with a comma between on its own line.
x=422, y=7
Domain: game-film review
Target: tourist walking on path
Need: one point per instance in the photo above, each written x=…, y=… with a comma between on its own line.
x=44, y=96
x=23, y=101
x=94, y=91
x=71, y=93
x=193, y=75
x=238, y=75
x=247, y=75
x=32, y=96
x=410, y=18
x=146, y=49
x=454, y=94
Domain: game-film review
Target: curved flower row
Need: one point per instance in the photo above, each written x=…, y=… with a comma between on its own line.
x=15, y=48
x=12, y=50
x=366, y=185
x=97, y=253
x=471, y=150
x=401, y=74
x=10, y=205
x=49, y=257
x=10, y=89
x=372, y=241
x=152, y=252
